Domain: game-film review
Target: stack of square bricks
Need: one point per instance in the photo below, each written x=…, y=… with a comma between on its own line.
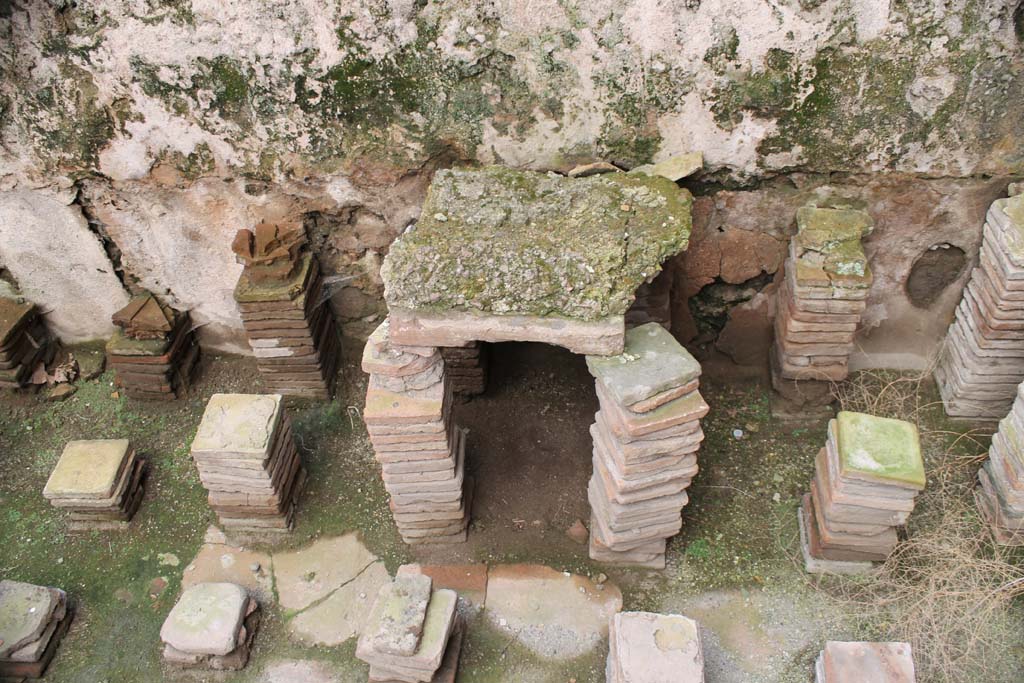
x=154, y=350
x=24, y=342
x=859, y=662
x=823, y=294
x=466, y=367
x=33, y=621
x=290, y=326
x=247, y=460
x=646, y=438
x=1000, y=494
x=413, y=633
x=866, y=479
x=99, y=482
x=982, y=361
x=421, y=452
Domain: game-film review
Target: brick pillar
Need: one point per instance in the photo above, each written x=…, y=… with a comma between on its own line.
x=247, y=460
x=982, y=361
x=820, y=302
x=421, y=452
x=865, y=481
x=286, y=315
x=1000, y=492
x=646, y=437
x=467, y=368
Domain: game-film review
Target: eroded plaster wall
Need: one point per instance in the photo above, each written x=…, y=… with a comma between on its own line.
x=149, y=130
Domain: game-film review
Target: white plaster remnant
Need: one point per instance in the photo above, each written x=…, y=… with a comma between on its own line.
x=59, y=264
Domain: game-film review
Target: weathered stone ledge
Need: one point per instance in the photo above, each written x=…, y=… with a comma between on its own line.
x=460, y=328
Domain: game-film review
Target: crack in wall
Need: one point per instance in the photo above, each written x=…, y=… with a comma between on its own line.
x=110, y=247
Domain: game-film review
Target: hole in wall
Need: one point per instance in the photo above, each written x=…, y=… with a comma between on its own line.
x=1018, y=21
x=939, y=266
x=711, y=305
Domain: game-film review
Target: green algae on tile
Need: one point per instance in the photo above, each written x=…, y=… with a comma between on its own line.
x=879, y=448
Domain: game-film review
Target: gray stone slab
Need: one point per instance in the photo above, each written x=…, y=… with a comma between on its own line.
x=651, y=363
x=400, y=615
x=25, y=612
x=206, y=619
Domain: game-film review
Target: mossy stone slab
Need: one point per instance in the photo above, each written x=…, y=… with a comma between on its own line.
x=834, y=236
x=507, y=242
x=25, y=612
x=651, y=363
x=206, y=619
x=437, y=626
x=879, y=449
x=399, y=615
x=88, y=469
x=239, y=424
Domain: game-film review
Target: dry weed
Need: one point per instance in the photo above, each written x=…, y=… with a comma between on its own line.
x=947, y=589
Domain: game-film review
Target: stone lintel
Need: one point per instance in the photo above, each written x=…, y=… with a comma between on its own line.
x=461, y=328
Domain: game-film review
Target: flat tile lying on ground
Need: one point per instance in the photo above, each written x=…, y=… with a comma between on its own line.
x=859, y=662
x=654, y=648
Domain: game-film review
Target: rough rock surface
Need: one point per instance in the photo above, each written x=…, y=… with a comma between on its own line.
x=161, y=125
x=510, y=242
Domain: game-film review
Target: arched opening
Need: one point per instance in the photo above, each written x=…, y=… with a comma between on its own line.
x=529, y=447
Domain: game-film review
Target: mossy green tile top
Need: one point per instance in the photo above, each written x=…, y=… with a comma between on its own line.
x=508, y=242
x=652, y=362
x=879, y=449
x=88, y=469
x=830, y=239
x=24, y=613
x=238, y=424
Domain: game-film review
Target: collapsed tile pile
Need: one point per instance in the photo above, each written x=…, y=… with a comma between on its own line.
x=154, y=350
x=865, y=482
x=211, y=627
x=466, y=368
x=860, y=662
x=982, y=361
x=653, y=648
x=248, y=462
x=285, y=312
x=421, y=451
x=99, y=482
x=822, y=296
x=413, y=633
x=33, y=619
x=1000, y=494
x=646, y=438
x=653, y=302
x=24, y=342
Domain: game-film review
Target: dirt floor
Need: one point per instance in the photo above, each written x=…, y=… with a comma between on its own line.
x=734, y=567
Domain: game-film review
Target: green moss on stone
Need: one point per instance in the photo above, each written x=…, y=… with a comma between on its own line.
x=511, y=242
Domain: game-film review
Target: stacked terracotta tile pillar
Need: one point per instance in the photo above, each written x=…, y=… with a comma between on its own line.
x=982, y=361
x=421, y=451
x=646, y=438
x=820, y=302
